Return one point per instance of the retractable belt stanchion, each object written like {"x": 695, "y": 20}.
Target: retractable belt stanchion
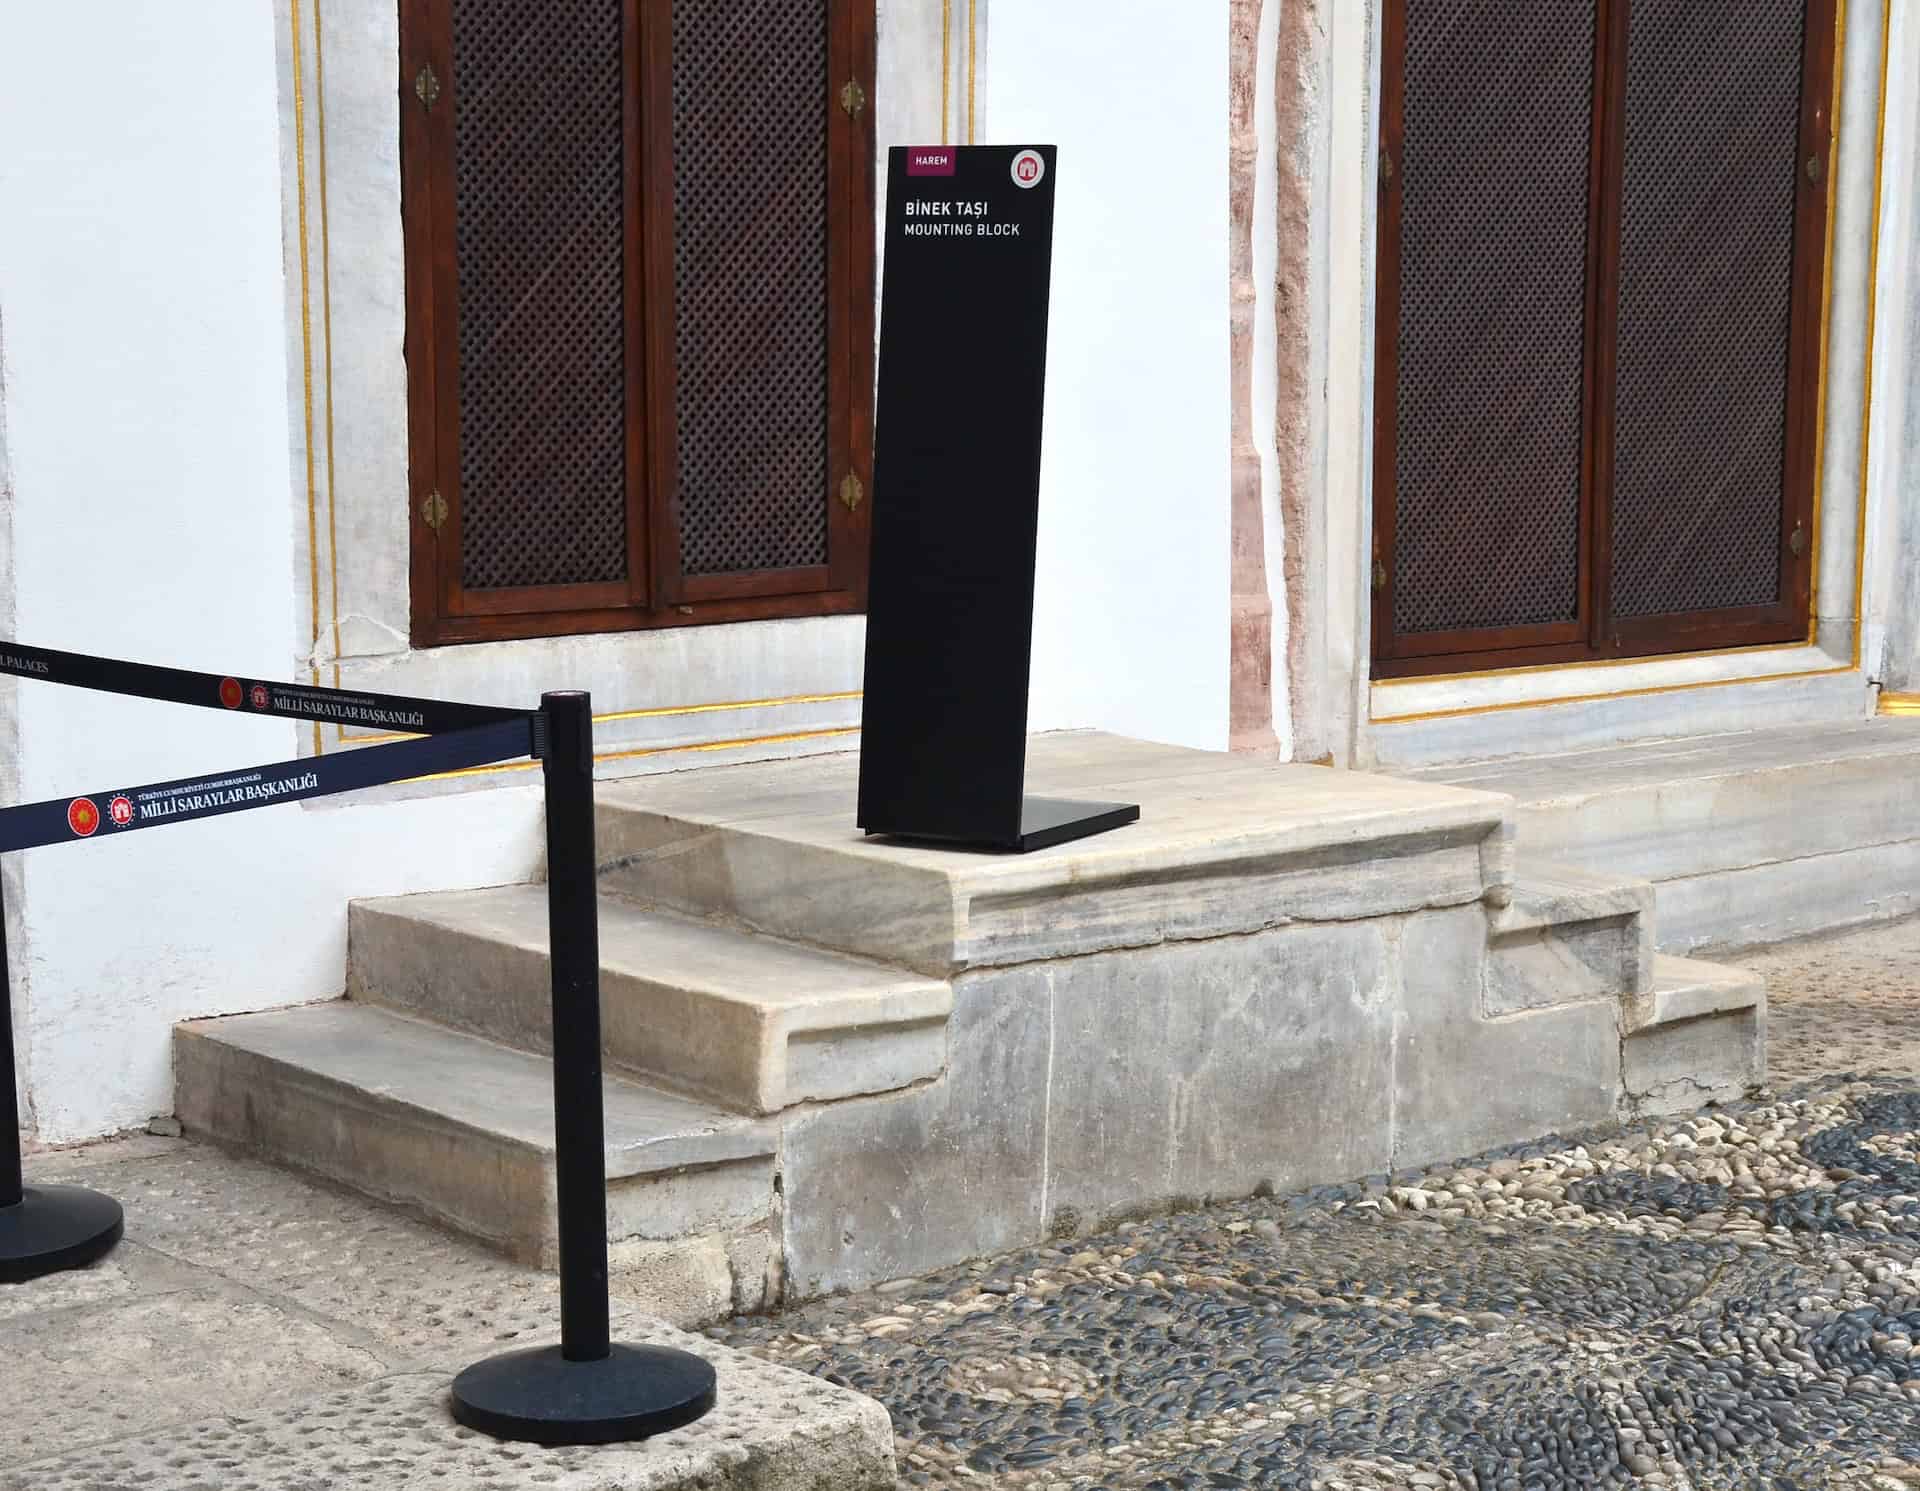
{"x": 586, "y": 1390}
{"x": 42, "y": 1228}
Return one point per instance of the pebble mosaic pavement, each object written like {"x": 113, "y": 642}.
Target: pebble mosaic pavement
{"x": 1729, "y": 1300}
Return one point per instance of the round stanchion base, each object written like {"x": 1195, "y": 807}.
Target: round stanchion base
{"x": 539, "y": 1396}
{"x": 55, "y": 1227}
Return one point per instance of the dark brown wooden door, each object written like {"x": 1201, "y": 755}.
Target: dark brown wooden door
{"x": 1602, "y": 245}
{"x": 639, "y": 310}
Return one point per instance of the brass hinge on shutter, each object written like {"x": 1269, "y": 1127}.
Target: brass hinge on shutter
{"x": 853, "y": 98}
{"x": 1816, "y": 168}
{"x": 426, "y": 87}
{"x": 1379, "y": 575}
{"x": 1798, "y": 543}
{"x": 433, "y": 510}
{"x": 851, "y": 491}
{"x": 1386, "y": 167}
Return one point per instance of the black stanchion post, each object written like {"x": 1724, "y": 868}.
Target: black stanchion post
{"x": 11, "y": 1184}
{"x": 42, "y": 1228}
{"x": 579, "y": 1126}
{"x": 586, "y": 1390}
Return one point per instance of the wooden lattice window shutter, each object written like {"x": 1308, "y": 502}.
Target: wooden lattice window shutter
{"x": 639, "y": 321}
{"x": 1601, "y": 246}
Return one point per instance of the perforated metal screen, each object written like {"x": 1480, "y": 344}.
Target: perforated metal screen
{"x": 750, "y": 100}
{"x": 1494, "y": 183}
{"x": 1706, "y": 271}
{"x": 538, "y": 224}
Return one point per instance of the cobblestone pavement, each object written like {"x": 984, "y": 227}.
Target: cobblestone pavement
{"x": 1730, "y": 1300}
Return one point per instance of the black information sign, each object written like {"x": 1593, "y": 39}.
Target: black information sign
{"x": 956, "y": 482}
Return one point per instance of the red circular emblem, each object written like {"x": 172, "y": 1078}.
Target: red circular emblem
{"x": 259, "y": 696}
{"x": 120, "y": 810}
{"x": 230, "y": 692}
{"x": 82, "y": 816}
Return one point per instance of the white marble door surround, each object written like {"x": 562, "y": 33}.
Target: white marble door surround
{"x": 1865, "y": 623}
{"x": 725, "y": 692}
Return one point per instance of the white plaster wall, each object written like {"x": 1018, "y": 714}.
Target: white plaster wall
{"x": 140, "y": 284}
{"x": 142, "y": 437}
{"x": 1131, "y": 617}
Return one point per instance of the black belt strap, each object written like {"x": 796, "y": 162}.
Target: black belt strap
{"x": 242, "y": 695}
{"x": 109, "y": 814}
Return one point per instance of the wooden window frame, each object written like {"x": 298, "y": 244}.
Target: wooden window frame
{"x": 655, "y": 592}
{"x": 1594, "y": 634}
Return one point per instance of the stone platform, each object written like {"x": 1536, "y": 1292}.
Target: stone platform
{"x": 865, "y": 1059}
{"x": 1747, "y": 838}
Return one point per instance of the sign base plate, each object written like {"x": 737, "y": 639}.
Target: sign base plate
{"x": 1060, "y": 820}
{"x": 1044, "y": 822}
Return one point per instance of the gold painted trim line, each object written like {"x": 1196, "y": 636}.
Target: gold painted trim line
{"x": 1899, "y": 704}
{"x": 1528, "y": 669}
{"x": 306, "y": 320}
{"x": 1838, "y": 90}
{"x": 664, "y": 712}
{"x": 729, "y": 745}
{"x": 306, "y": 346}
{"x": 1873, "y": 313}
{"x": 326, "y": 328}
{"x": 705, "y": 745}
{"x": 972, "y": 46}
{"x": 1663, "y": 688}
{"x": 731, "y": 704}
{"x": 946, "y": 70}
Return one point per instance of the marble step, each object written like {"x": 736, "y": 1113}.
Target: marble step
{"x": 1224, "y": 846}
{"x": 747, "y": 1021}
{"x": 461, "y": 1129}
{"x": 1568, "y": 934}
{"x": 1692, "y": 989}
{"x": 1747, "y": 838}
{"x": 1698, "y": 1035}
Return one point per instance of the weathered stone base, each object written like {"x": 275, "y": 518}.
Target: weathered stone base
{"x": 1282, "y": 976}
{"x": 1086, "y": 1091}
{"x": 1698, "y": 1037}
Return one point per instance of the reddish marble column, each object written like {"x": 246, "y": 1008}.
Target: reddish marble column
{"x": 1250, "y": 677}
{"x": 1297, "y": 90}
